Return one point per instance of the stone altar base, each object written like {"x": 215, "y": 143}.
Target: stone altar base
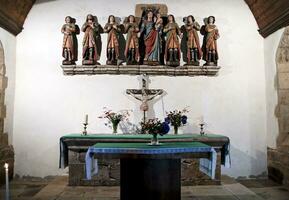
{"x": 109, "y": 172}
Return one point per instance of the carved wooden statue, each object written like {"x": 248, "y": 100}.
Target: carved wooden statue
{"x": 132, "y": 45}
{"x": 172, "y": 49}
{"x": 211, "y": 34}
{"x": 190, "y": 30}
{"x": 159, "y": 25}
{"x": 69, "y": 46}
{"x": 112, "y": 51}
{"x": 91, "y": 41}
{"x": 151, "y": 40}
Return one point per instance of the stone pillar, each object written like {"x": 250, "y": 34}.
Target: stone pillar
{"x": 6, "y": 150}
{"x": 282, "y": 111}
{"x": 278, "y": 162}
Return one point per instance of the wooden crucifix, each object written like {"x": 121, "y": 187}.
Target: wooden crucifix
{"x": 144, "y": 95}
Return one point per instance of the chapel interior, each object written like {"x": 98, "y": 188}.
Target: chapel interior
{"x": 144, "y": 99}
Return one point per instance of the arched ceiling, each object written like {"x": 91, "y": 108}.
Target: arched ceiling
{"x": 13, "y": 14}
{"x": 270, "y": 15}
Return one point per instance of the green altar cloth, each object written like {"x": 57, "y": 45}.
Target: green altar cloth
{"x": 139, "y": 136}
{"x": 63, "y": 161}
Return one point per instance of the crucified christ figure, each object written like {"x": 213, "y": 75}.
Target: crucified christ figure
{"x": 144, "y": 95}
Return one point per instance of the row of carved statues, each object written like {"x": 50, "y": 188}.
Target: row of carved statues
{"x": 154, "y": 40}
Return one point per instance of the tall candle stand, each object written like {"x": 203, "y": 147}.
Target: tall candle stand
{"x": 202, "y": 132}
{"x": 84, "y": 132}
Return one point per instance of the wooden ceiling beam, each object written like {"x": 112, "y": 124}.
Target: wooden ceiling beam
{"x": 13, "y": 14}
{"x": 270, "y": 15}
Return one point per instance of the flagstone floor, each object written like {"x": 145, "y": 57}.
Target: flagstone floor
{"x": 55, "y": 188}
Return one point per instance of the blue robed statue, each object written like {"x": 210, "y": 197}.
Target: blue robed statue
{"x": 150, "y": 28}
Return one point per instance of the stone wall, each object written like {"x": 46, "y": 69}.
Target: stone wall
{"x": 282, "y": 111}
{"x": 278, "y": 159}
{"x": 278, "y": 165}
{"x": 6, "y": 151}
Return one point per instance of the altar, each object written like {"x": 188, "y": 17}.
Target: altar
{"x": 151, "y": 171}
{"x": 73, "y": 148}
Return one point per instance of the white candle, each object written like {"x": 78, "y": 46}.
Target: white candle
{"x": 86, "y": 118}
{"x": 7, "y": 180}
{"x": 202, "y": 120}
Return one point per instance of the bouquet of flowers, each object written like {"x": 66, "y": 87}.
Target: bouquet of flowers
{"x": 155, "y": 126}
{"x": 177, "y": 118}
{"x": 114, "y": 117}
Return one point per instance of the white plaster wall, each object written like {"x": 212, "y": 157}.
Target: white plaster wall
{"x": 9, "y": 44}
{"x": 49, "y": 105}
{"x": 271, "y": 44}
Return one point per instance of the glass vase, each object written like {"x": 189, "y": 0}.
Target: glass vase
{"x": 114, "y": 128}
{"x": 176, "y": 130}
{"x": 155, "y": 140}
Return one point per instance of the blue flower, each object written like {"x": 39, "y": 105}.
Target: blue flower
{"x": 184, "y": 119}
{"x": 167, "y": 120}
{"x": 165, "y": 128}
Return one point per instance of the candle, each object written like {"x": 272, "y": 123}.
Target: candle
{"x": 202, "y": 120}
{"x": 7, "y": 181}
{"x": 86, "y": 118}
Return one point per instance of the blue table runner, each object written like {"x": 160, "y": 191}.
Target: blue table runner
{"x": 207, "y": 166}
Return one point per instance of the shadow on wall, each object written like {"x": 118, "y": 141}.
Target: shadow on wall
{"x": 245, "y": 164}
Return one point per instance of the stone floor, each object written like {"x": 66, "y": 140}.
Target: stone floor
{"x": 55, "y": 188}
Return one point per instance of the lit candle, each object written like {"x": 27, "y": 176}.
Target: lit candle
{"x": 86, "y": 118}
{"x": 7, "y": 181}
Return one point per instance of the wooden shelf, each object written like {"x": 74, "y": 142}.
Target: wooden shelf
{"x": 159, "y": 70}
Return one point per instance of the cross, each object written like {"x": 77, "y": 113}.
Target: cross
{"x": 144, "y": 95}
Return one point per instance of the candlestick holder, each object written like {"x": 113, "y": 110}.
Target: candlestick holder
{"x": 202, "y": 132}
{"x": 84, "y": 132}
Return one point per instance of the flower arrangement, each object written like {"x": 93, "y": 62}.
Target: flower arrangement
{"x": 114, "y": 117}
{"x": 177, "y": 118}
{"x": 155, "y": 127}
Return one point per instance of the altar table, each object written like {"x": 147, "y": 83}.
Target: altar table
{"x": 73, "y": 148}
{"x": 151, "y": 172}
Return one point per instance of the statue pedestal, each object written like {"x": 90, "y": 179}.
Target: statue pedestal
{"x": 159, "y": 70}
